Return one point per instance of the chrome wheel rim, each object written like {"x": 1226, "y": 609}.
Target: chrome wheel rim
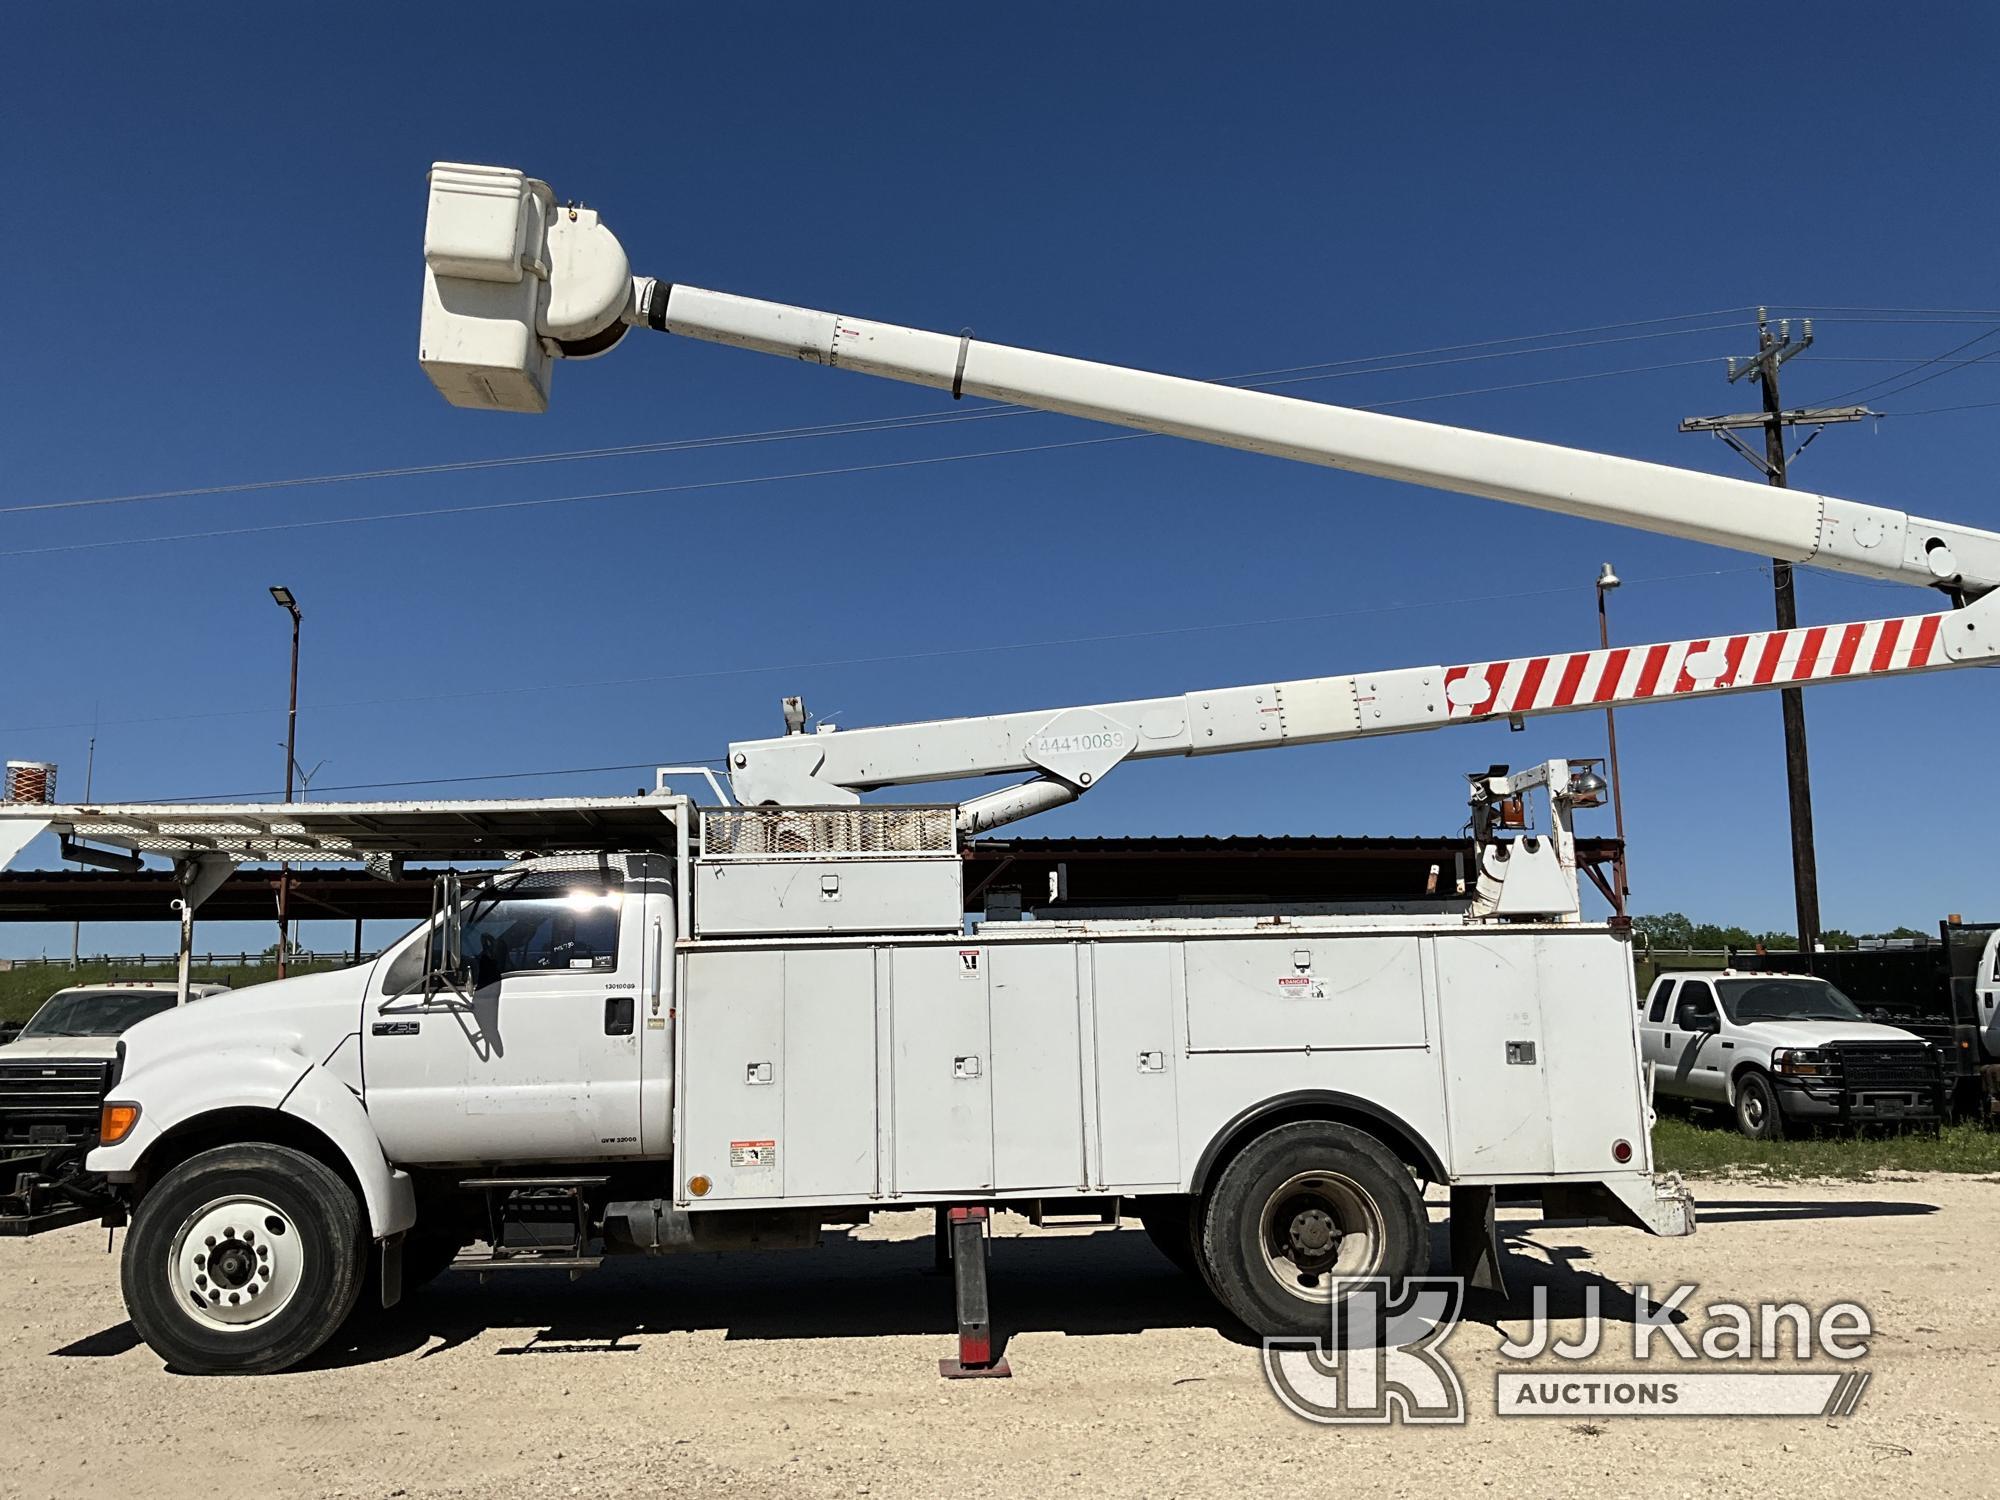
{"x": 1753, "y": 1109}
{"x": 236, "y": 1262}
{"x": 1317, "y": 1230}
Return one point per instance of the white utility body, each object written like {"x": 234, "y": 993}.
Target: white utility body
{"x": 682, "y": 1026}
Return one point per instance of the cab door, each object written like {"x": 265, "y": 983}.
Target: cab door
{"x": 1693, "y": 1044}
{"x": 1655, "y": 1031}
{"x": 537, "y": 1058}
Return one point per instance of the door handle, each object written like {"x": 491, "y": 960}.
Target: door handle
{"x": 618, "y": 1015}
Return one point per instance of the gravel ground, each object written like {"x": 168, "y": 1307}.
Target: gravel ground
{"x": 817, "y": 1372}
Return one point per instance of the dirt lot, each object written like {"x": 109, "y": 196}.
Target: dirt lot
{"x": 817, "y": 1373}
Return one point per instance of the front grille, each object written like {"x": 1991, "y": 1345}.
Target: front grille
{"x": 1886, "y": 1065}
{"x": 52, "y": 1103}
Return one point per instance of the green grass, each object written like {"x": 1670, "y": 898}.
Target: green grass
{"x": 1712, "y": 1150}
{"x": 22, "y": 990}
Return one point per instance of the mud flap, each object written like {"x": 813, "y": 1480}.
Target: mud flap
{"x": 392, "y": 1269}
{"x": 1475, "y": 1239}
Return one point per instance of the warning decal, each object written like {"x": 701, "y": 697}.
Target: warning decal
{"x": 1301, "y": 987}
{"x": 753, "y": 1155}
{"x": 968, "y": 963}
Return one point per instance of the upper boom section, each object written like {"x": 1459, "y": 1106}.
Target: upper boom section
{"x": 511, "y": 283}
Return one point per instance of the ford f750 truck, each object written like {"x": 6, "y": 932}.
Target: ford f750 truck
{"x": 691, "y": 1027}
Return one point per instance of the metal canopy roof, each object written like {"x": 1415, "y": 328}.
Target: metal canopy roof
{"x": 351, "y": 831}
{"x": 1101, "y": 870}
{"x": 249, "y": 895}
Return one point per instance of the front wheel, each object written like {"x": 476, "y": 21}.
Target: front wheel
{"x": 243, "y": 1260}
{"x": 1757, "y": 1113}
{"x": 1301, "y": 1214}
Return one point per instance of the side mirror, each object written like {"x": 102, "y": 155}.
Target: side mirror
{"x": 444, "y": 963}
{"x": 1704, "y": 1020}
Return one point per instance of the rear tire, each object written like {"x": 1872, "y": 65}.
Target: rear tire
{"x": 1757, "y": 1112}
{"x": 1302, "y": 1210}
{"x": 243, "y": 1260}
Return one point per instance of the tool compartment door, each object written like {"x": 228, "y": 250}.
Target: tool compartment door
{"x": 1271, "y": 993}
{"x": 780, "y": 1080}
{"x": 732, "y": 1032}
{"x": 1494, "y": 1053}
{"x": 941, "y": 1094}
{"x": 1037, "y": 1073}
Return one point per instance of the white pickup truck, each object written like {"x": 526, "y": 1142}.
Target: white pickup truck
{"x": 1780, "y": 1049}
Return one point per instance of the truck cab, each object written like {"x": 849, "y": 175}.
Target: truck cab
{"x": 1783, "y": 1050}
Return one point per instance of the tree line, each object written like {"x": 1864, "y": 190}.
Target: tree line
{"x": 1671, "y": 929}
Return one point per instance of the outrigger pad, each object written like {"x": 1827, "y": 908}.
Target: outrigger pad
{"x": 975, "y": 1317}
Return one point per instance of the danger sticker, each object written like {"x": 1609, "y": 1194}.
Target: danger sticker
{"x": 968, "y": 963}
{"x": 753, "y": 1155}
{"x": 1301, "y": 987}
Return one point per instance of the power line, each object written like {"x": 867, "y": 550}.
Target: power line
{"x": 1415, "y": 359}
{"x": 1921, "y": 365}
{"x": 879, "y": 659}
{"x": 385, "y": 786}
{"x": 691, "y": 486}
{"x": 1937, "y": 374}
{"x": 1931, "y": 411}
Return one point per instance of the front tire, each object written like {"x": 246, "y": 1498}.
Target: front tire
{"x": 1757, "y": 1112}
{"x": 1300, "y": 1214}
{"x": 243, "y": 1260}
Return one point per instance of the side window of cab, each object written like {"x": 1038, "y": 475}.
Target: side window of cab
{"x": 1696, "y": 1010}
{"x": 1663, "y": 991}
{"x": 537, "y": 924}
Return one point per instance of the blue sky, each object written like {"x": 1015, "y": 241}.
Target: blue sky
{"x": 215, "y": 280}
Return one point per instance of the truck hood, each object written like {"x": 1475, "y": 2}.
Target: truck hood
{"x": 310, "y": 1015}
{"x": 62, "y": 1048}
{"x": 1821, "y": 1033}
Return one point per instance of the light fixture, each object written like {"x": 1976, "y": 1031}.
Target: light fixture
{"x": 285, "y": 600}
{"x": 1606, "y": 579}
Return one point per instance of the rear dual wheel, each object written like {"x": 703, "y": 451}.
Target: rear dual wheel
{"x": 1299, "y": 1216}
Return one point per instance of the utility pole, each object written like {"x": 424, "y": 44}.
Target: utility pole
{"x": 1607, "y": 580}
{"x": 290, "y": 605}
{"x": 1774, "y": 348}
{"x": 89, "y": 779}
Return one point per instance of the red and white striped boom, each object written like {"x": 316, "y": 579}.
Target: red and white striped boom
{"x": 1071, "y": 749}
{"x": 1626, "y": 675}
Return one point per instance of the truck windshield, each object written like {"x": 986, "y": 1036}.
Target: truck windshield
{"x": 96, "y": 1012}
{"x": 1785, "y": 1000}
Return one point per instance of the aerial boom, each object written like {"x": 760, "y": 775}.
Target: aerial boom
{"x": 1793, "y": 525}
{"x": 512, "y": 282}
{"x": 1069, "y": 750}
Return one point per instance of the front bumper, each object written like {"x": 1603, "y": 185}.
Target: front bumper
{"x": 1812, "y": 1102}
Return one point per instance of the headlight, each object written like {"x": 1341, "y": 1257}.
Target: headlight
{"x": 1805, "y": 1062}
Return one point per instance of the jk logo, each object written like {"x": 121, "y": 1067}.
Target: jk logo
{"x": 1384, "y": 1359}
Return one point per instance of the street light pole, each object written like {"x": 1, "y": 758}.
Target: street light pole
{"x": 290, "y": 605}
{"x": 1608, "y": 580}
